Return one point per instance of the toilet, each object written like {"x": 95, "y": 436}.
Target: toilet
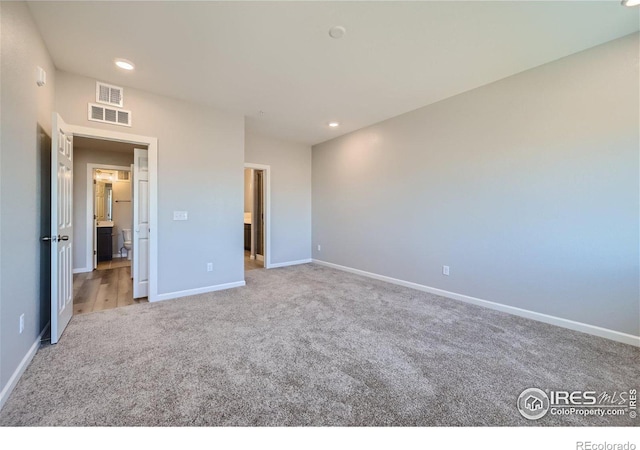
{"x": 126, "y": 235}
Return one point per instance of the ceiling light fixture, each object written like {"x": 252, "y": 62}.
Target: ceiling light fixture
{"x": 333, "y": 124}
{"x": 124, "y": 64}
{"x": 631, "y": 3}
{"x": 105, "y": 176}
{"x": 337, "y": 32}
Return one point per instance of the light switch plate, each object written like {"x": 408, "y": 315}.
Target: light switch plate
{"x": 180, "y": 215}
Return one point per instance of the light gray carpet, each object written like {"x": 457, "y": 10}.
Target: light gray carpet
{"x": 308, "y": 345}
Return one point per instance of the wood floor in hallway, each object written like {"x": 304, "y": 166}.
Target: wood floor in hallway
{"x": 251, "y": 264}
{"x": 103, "y": 289}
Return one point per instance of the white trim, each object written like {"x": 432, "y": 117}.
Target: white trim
{"x": 267, "y": 207}
{"x": 540, "y": 317}
{"x": 90, "y": 206}
{"x": 83, "y": 270}
{"x": 260, "y": 257}
{"x": 291, "y": 263}
{"x": 202, "y": 290}
{"x": 152, "y": 146}
{"x": 13, "y": 381}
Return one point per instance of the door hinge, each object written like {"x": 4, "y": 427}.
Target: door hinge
{"x": 95, "y": 252}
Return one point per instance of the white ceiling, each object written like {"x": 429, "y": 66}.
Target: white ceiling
{"x": 277, "y": 57}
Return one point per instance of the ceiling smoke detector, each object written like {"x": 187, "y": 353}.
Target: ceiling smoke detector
{"x": 337, "y": 32}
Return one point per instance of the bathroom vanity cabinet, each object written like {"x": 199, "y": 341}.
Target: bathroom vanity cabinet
{"x": 105, "y": 243}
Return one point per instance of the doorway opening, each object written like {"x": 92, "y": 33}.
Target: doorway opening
{"x": 106, "y": 280}
{"x": 112, "y": 214}
{"x": 64, "y": 233}
{"x": 256, "y": 217}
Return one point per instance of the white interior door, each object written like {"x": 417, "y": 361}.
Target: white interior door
{"x": 61, "y": 228}
{"x": 140, "y": 259}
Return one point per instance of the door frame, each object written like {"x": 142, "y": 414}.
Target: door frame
{"x": 152, "y": 146}
{"x": 90, "y": 210}
{"x": 267, "y": 209}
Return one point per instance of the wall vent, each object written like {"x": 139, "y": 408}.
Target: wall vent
{"x": 109, "y": 94}
{"x": 123, "y": 175}
{"x": 99, "y": 113}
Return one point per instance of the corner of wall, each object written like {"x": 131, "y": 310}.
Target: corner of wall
{"x": 26, "y": 130}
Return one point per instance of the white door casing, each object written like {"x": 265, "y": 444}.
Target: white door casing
{"x": 266, "y": 180}
{"x": 61, "y": 227}
{"x": 141, "y": 229}
{"x": 152, "y": 144}
{"x": 91, "y": 221}
{"x": 257, "y": 220}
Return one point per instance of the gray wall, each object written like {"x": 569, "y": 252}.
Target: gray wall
{"x": 290, "y": 194}
{"x": 527, "y": 188}
{"x": 82, "y": 157}
{"x": 24, "y": 182}
{"x": 200, "y": 164}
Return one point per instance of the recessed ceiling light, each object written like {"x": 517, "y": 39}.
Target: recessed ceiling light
{"x": 337, "y": 32}
{"x": 124, "y": 64}
{"x": 631, "y": 3}
{"x": 333, "y": 124}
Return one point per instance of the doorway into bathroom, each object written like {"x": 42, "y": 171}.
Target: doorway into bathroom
{"x": 255, "y": 217}
{"x": 113, "y": 215}
{"x": 106, "y": 280}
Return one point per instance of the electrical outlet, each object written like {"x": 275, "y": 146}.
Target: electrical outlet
{"x": 209, "y": 267}
{"x": 319, "y": 248}
{"x": 445, "y": 270}
{"x": 21, "y": 323}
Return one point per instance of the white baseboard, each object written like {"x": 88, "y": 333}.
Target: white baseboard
{"x": 290, "y": 263}
{"x": 83, "y": 270}
{"x": 202, "y": 290}
{"x": 13, "y": 381}
{"x": 540, "y": 317}
{"x": 260, "y": 257}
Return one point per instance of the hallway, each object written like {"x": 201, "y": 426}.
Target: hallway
{"x": 106, "y": 288}
{"x": 251, "y": 264}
